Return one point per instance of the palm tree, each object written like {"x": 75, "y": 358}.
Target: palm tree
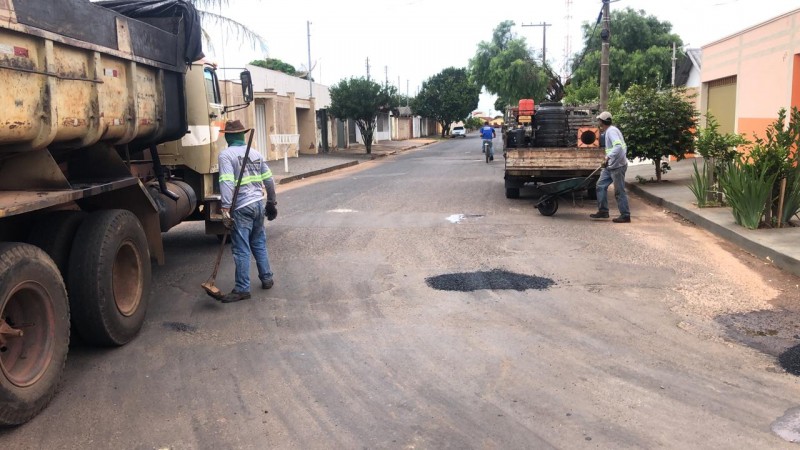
{"x": 211, "y": 19}
{"x": 214, "y": 19}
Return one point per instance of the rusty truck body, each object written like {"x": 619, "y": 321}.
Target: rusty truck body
{"x": 550, "y": 143}
{"x": 109, "y": 136}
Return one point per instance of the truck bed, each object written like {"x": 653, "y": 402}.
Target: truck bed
{"x": 552, "y": 162}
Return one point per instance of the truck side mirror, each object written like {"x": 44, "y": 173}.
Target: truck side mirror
{"x": 247, "y": 86}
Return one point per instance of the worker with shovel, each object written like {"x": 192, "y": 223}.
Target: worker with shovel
{"x": 243, "y": 209}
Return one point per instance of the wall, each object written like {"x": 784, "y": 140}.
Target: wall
{"x": 283, "y": 84}
{"x": 764, "y": 60}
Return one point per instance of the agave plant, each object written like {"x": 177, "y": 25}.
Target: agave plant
{"x": 748, "y": 190}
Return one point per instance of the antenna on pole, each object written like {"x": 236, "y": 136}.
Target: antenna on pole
{"x": 308, "y": 75}
{"x": 567, "y": 41}
{"x": 368, "y": 67}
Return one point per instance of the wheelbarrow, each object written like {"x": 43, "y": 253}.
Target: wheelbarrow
{"x": 548, "y": 202}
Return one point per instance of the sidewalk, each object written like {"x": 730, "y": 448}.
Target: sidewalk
{"x": 305, "y": 166}
{"x": 779, "y": 246}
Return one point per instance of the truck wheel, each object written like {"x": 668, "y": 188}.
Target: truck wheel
{"x": 109, "y": 277}
{"x": 34, "y": 331}
{"x": 548, "y": 207}
{"x": 54, "y": 234}
{"x": 512, "y": 192}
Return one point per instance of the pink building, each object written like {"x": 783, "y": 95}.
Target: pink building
{"x": 747, "y": 77}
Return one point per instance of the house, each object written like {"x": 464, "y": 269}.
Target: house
{"x": 749, "y": 76}
{"x": 688, "y": 73}
{"x": 283, "y": 104}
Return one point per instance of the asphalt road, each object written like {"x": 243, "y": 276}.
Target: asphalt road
{"x": 416, "y": 307}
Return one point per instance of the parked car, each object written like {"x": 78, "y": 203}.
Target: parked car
{"x": 458, "y": 131}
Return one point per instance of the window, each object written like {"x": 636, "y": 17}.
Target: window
{"x": 212, "y": 88}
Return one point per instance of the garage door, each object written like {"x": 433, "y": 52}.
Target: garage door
{"x": 722, "y": 103}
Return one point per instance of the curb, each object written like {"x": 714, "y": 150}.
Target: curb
{"x": 312, "y": 173}
{"x": 780, "y": 260}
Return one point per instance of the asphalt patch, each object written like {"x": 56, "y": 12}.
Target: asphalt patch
{"x": 790, "y": 360}
{"x": 493, "y": 280}
{"x": 180, "y": 327}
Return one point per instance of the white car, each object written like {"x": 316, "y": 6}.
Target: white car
{"x": 458, "y": 131}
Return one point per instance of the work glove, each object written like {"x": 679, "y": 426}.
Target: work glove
{"x": 605, "y": 163}
{"x": 227, "y": 220}
{"x": 271, "y": 211}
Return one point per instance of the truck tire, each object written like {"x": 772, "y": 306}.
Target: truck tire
{"x": 512, "y": 192}
{"x": 32, "y": 300}
{"x": 54, "y": 233}
{"x": 109, "y": 277}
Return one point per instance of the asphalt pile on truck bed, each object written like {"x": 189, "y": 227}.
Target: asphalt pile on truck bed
{"x": 492, "y": 280}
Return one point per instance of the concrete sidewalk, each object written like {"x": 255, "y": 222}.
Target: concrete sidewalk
{"x": 305, "y": 166}
{"x": 779, "y": 246}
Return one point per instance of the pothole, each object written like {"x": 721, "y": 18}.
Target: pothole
{"x": 493, "y": 280}
{"x": 790, "y": 360}
{"x": 180, "y": 327}
{"x": 788, "y": 426}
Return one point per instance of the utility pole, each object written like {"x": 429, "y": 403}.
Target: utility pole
{"x": 544, "y": 26}
{"x": 308, "y": 75}
{"x": 674, "y": 59}
{"x": 386, "y": 74}
{"x": 368, "y": 67}
{"x": 605, "y": 36}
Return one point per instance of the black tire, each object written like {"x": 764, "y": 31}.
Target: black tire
{"x": 548, "y": 207}
{"x": 109, "y": 277}
{"x": 54, "y": 233}
{"x": 512, "y": 192}
{"x": 33, "y": 300}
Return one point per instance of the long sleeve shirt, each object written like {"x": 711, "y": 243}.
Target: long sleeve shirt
{"x": 616, "y": 150}
{"x": 256, "y": 175}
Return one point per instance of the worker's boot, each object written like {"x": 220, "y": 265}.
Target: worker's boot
{"x": 599, "y": 215}
{"x": 235, "y": 296}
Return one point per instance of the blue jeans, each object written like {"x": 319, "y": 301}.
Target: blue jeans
{"x": 248, "y": 235}
{"x": 490, "y": 147}
{"x": 617, "y": 177}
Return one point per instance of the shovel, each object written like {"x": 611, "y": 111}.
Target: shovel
{"x": 209, "y": 286}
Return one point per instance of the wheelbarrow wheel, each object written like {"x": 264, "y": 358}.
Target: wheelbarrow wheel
{"x": 548, "y": 207}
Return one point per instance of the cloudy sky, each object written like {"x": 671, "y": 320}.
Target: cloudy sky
{"x": 408, "y": 41}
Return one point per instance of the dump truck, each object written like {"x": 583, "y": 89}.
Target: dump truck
{"x": 109, "y": 137}
{"x": 549, "y": 142}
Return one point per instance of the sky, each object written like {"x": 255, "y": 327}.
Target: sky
{"x": 408, "y": 41}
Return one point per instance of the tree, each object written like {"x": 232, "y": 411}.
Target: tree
{"x": 641, "y": 53}
{"x": 275, "y": 64}
{"x": 447, "y": 97}
{"x": 473, "y": 123}
{"x": 657, "y": 123}
{"x": 362, "y": 99}
{"x": 507, "y": 68}
{"x": 234, "y": 27}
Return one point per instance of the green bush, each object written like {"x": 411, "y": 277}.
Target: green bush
{"x": 748, "y": 189}
{"x": 700, "y": 185}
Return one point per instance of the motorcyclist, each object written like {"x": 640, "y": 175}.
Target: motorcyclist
{"x": 487, "y": 134}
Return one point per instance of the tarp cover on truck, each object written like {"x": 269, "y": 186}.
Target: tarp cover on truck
{"x": 154, "y": 9}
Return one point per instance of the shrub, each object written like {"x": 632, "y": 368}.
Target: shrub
{"x": 748, "y": 189}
